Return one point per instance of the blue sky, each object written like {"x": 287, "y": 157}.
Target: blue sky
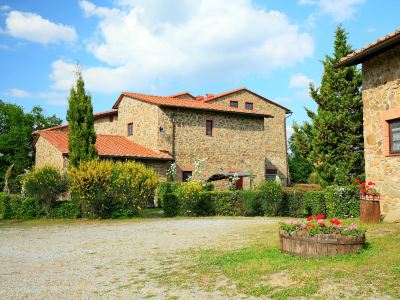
{"x": 164, "y": 47}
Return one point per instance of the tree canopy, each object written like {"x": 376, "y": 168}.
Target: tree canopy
{"x": 82, "y": 136}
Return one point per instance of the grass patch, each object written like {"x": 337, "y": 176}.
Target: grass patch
{"x": 260, "y": 269}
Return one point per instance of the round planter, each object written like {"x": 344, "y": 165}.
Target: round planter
{"x": 298, "y": 243}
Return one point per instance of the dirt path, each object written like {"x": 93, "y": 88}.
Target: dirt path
{"x": 89, "y": 260}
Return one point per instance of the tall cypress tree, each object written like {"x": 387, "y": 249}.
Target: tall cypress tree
{"x": 82, "y": 136}
{"x": 337, "y": 146}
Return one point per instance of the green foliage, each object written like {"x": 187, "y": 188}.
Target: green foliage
{"x": 313, "y": 178}
{"x": 16, "y": 139}
{"x": 250, "y": 203}
{"x": 314, "y": 203}
{"x": 337, "y": 149}
{"x": 82, "y": 137}
{"x": 106, "y": 189}
{"x": 293, "y": 203}
{"x": 222, "y": 203}
{"x": 46, "y": 184}
{"x": 342, "y": 201}
{"x": 299, "y": 166}
{"x": 18, "y": 207}
{"x": 65, "y": 210}
{"x": 165, "y": 188}
{"x": 270, "y": 193}
{"x": 170, "y": 204}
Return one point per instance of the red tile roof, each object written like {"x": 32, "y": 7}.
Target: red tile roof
{"x": 106, "y": 113}
{"x": 106, "y": 145}
{"x": 373, "y": 48}
{"x": 210, "y": 97}
{"x": 182, "y": 94}
{"x": 189, "y": 104}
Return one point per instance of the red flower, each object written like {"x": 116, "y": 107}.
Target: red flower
{"x": 320, "y": 217}
{"x": 363, "y": 191}
{"x": 371, "y": 183}
{"x": 321, "y": 223}
{"x": 335, "y": 222}
{"x": 362, "y": 184}
{"x": 309, "y": 219}
{"x": 358, "y": 180}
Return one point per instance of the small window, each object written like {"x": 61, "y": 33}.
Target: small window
{"x": 270, "y": 174}
{"x": 248, "y": 105}
{"x": 394, "y": 133}
{"x": 209, "y": 127}
{"x": 130, "y": 129}
{"x": 234, "y": 104}
{"x": 186, "y": 175}
{"x": 111, "y": 119}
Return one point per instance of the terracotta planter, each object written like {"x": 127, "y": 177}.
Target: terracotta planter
{"x": 298, "y": 243}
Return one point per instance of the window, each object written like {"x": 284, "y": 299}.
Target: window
{"x": 130, "y": 129}
{"x": 186, "y": 175}
{"x": 234, "y": 104}
{"x": 209, "y": 127}
{"x": 111, "y": 119}
{"x": 270, "y": 174}
{"x": 248, "y": 105}
{"x": 394, "y": 134}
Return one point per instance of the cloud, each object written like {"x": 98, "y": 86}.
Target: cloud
{"x": 52, "y": 97}
{"x": 34, "y": 28}
{"x": 299, "y": 81}
{"x": 4, "y": 7}
{"x": 153, "y": 43}
{"x": 339, "y": 10}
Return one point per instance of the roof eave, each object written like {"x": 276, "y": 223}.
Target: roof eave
{"x": 368, "y": 53}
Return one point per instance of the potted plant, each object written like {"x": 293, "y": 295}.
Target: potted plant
{"x": 370, "y": 211}
{"x": 318, "y": 237}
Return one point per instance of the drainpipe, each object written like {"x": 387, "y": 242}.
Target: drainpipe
{"x": 287, "y": 154}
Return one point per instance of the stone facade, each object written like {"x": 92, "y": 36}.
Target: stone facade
{"x": 381, "y": 99}
{"x": 47, "y": 154}
{"x": 107, "y": 125}
{"x": 275, "y": 147}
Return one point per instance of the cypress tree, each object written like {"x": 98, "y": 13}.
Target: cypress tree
{"x": 82, "y": 136}
{"x": 337, "y": 145}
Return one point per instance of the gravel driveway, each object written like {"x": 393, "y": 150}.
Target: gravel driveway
{"x": 110, "y": 259}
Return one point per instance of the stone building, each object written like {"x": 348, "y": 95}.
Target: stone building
{"x": 236, "y": 132}
{"x": 381, "y": 100}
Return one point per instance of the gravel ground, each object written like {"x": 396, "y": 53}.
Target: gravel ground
{"x": 113, "y": 260}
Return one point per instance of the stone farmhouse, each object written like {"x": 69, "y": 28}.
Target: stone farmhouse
{"x": 381, "y": 100}
{"x": 236, "y": 132}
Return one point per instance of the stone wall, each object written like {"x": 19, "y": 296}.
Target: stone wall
{"x": 107, "y": 125}
{"x": 381, "y": 99}
{"x": 47, "y": 154}
{"x": 144, "y": 117}
{"x": 274, "y": 129}
{"x": 237, "y": 144}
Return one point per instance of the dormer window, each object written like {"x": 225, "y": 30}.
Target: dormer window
{"x": 234, "y": 104}
{"x": 130, "y": 129}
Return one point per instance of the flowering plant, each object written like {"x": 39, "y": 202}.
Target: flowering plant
{"x": 368, "y": 190}
{"x": 319, "y": 225}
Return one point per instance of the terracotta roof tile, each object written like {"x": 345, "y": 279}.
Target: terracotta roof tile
{"x": 173, "y": 102}
{"x": 380, "y": 44}
{"x": 106, "y": 145}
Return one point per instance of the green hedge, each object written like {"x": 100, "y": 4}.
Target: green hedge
{"x": 19, "y": 207}
{"x": 342, "y": 201}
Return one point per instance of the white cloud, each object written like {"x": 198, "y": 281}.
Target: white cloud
{"x": 18, "y": 93}
{"x": 299, "y": 81}
{"x": 34, "y": 28}
{"x": 146, "y": 43}
{"x": 52, "y": 97}
{"x": 4, "y": 7}
{"x": 339, "y": 10}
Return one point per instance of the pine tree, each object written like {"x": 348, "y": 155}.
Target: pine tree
{"x": 82, "y": 136}
{"x": 337, "y": 149}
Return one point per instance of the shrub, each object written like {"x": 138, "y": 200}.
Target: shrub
{"x": 292, "y": 203}
{"x": 342, "y": 201}
{"x": 5, "y": 208}
{"x": 106, "y": 189}
{"x": 250, "y": 203}
{"x": 221, "y": 203}
{"x": 91, "y": 187}
{"x": 270, "y": 194}
{"x": 46, "y": 184}
{"x": 189, "y": 196}
{"x": 133, "y": 186}
{"x": 165, "y": 188}
{"x": 314, "y": 203}
{"x": 170, "y": 205}
{"x": 65, "y": 210}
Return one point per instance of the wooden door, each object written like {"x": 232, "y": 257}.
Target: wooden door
{"x": 239, "y": 184}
